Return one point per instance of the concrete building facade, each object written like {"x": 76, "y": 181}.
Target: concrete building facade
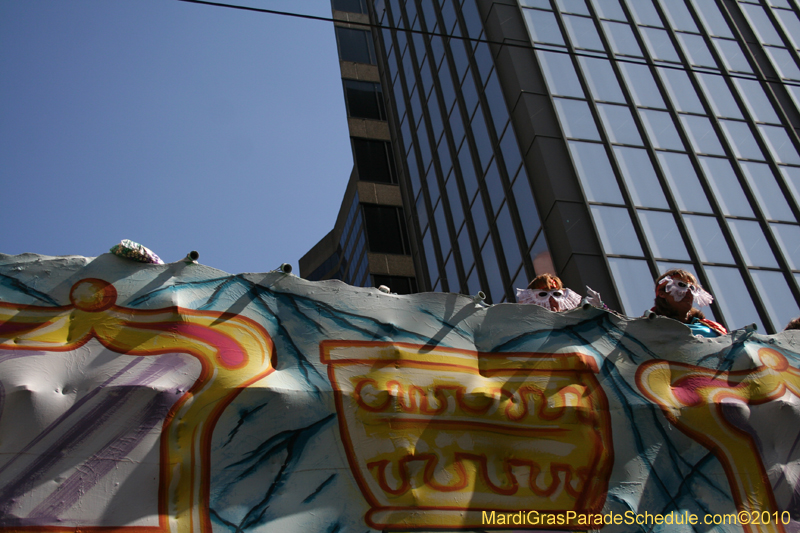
{"x": 603, "y": 140}
{"x": 369, "y": 244}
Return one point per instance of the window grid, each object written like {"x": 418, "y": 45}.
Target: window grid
{"x": 628, "y": 202}
{"x": 778, "y": 28}
{"x": 721, "y": 218}
{"x": 475, "y": 84}
{"x": 762, "y": 76}
{"x": 768, "y": 89}
{"x": 675, "y": 115}
{"x": 352, "y": 216}
{"x": 417, "y": 161}
{"x": 347, "y": 269}
{"x": 750, "y": 198}
{"x": 409, "y": 158}
{"x": 471, "y": 79}
{"x": 589, "y": 96}
{"x": 499, "y": 163}
{"x": 779, "y": 109}
{"x": 759, "y": 215}
{"x": 352, "y": 230}
{"x": 431, "y": 177}
{"x": 355, "y": 269}
{"x": 439, "y": 172}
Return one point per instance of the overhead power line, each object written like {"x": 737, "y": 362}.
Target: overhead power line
{"x": 528, "y": 46}
{"x": 269, "y": 11}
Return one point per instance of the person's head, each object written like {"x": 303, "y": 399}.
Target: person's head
{"x": 546, "y": 281}
{"x": 794, "y": 324}
{"x": 549, "y": 288}
{"x": 676, "y": 292}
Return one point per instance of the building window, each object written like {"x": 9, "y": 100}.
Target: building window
{"x": 325, "y": 270}
{"x": 543, "y": 27}
{"x": 616, "y": 230}
{"x": 397, "y": 284}
{"x": 732, "y": 297}
{"x": 351, "y": 6}
{"x": 634, "y": 284}
{"x": 364, "y": 100}
{"x": 776, "y": 295}
{"x": 386, "y": 231}
{"x": 374, "y": 161}
{"x": 355, "y": 45}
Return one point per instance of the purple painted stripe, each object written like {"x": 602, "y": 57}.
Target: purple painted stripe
{"x": 78, "y": 433}
{"x": 17, "y": 354}
{"x": 69, "y": 412}
{"x": 101, "y": 463}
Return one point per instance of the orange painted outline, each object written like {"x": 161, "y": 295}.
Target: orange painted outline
{"x": 603, "y": 456}
{"x": 751, "y": 388}
{"x": 240, "y": 330}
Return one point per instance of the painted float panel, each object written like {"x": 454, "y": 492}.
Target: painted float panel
{"x": 137, "y": 397}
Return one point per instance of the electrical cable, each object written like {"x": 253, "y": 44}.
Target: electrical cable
{"x": 528, "y": 46}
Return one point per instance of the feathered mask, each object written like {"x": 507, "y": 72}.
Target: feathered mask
{"x": 678, "y": 288}
{"x": 566, "y": 298}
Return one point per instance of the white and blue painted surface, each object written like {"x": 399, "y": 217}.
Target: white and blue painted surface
{"x": 82, "y": 429}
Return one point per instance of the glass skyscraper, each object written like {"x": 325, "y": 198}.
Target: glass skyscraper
{"x": 602, "y": 140}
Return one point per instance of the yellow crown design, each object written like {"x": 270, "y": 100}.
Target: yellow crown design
{"x": 436, "y": 436}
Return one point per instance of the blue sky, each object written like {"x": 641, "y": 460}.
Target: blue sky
{"x": 179, "y": 126}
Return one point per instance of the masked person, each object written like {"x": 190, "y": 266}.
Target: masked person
{"x": 676, "y": 292}
{"x": 547, "y": 291}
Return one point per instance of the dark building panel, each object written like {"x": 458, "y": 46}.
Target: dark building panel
{"x": 351, "y": 6}
{"x": 355, "y": 45}
{"x": 374, "y": 160}
{"x": 364, "y": 100}
{"x": 386, "y": 229}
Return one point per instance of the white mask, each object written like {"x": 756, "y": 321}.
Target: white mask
{"x": 566, "y": 298}
{"x": 678, "y": 289}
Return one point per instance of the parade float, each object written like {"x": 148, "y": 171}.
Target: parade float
{"x": 148, "y": 398}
